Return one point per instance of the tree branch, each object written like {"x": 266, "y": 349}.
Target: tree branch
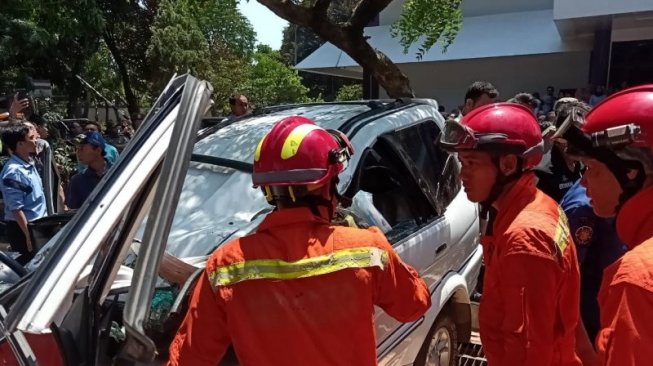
{"x": 365, "y": 11}
{"x": 309, "y": 18}
{"x": 321, "y": 7}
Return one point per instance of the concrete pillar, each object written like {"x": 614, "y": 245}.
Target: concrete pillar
{"x": 600, "y": 56}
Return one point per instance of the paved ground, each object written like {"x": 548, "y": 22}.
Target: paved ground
{"x": 471, "y": 354}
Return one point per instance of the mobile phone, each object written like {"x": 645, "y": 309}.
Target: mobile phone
{"x": 22, "y": 94}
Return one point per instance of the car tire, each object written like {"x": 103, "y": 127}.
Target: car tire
{"x": 440, "y": 348}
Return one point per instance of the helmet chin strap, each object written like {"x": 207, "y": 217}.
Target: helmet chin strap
{"x": 619, "y": 167}
{"x": 487, "y": 210}
{"x": 315, "y": 201}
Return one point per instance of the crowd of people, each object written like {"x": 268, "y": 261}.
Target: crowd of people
{"x": 30, "y": 162}
{"x": 25, "y": 138}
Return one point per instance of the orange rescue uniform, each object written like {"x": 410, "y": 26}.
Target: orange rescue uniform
{"x": 626, "y": 295}
{"x": 530, "y": 306}
{"x": 299, "y": 291}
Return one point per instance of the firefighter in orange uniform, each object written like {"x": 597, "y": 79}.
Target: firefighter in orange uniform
{"x": 615, "y": 143}
{"x": 299, "y": 290}
{"x": 530, "y": 305}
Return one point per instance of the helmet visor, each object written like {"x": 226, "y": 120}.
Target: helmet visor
{"x": 457, "y": 136}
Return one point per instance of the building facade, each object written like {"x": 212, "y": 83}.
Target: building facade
{"x": 519, "y": 46}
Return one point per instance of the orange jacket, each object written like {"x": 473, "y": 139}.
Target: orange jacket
{"x": 299, "y": 291}
{"x": 626, "y": 295}
{"x": 530, "y": 306}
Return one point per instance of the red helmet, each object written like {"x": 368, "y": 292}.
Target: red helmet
{"x": 624, "y": 118}
{"x": 500, "y": 127}
{"x": 298, "y": 152}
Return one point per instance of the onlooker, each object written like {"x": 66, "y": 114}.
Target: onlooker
{"x": 583, "y": 94}
{"x": 239, "y": 105}
{"x": 115, "y": 136}
{"x": 598, "y": 95}
{"x": 76, "y": 129}
{"x": 41, "y": 126}
{"x": 90, "y": 152}
{"x": 479, "y": 94}
{"x": 47, "y": 168}
{"x": 538, "y": 103}
{"x": 42, "y": 147}
{"x": 548, "y": 100}
{"x": 556, "y": 172}
{"x": 524, "y": 99}
{"x": 111, "y": 153}
{"x": 21, "y": 188}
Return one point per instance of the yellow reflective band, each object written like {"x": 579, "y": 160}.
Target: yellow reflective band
{"x": 274, "y": 269}
{"x": 295, "y": 138}
{"x": 257, "y": 152}
{"x": 562, "y": 235}
{"x": 268, "y": 194}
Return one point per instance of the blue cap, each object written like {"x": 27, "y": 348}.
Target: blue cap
{"x": 92, "y": 138}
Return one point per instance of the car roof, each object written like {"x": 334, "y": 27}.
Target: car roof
{"x": 235, "y": 141}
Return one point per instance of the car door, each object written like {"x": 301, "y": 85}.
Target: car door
{"x": 400, "y": 172}
{"x": 53, "y": 308}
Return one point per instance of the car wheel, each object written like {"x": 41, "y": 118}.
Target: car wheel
{"x": 441, "y": 346}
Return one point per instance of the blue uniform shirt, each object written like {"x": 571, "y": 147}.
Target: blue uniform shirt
{"x": 22, "y": 189}
{"x": 597, "y": 245}
{"x": 81, "y": 185}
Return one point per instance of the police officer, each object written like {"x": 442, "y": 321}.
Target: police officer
{"x": 615, "y": 141}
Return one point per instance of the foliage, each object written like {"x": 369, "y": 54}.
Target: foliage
{"x": 101, "y": 72}
{"x": 224, "y": 26}
{"x": 178, "y": 44}
{"x": 272, "y": 82}
{"x": 430, "y": 21}
{"x": 50, "y": 40}
{"x": 126, "y": 34}
{"x": 350, "y": 92}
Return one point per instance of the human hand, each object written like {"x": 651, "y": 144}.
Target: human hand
{"x": 28, "y": 243}
{"x": 18, "y": 106}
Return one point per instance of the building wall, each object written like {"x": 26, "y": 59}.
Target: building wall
{"x": 447, "y": 81}
{"x": 566, "y": 9}
{"x": 632, "y": 27}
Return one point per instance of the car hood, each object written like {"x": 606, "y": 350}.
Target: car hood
{"x": 216, "y": 205}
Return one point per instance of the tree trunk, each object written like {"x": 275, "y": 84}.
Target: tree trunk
{"x": 132, "y": 101}
{"x": 74, "y": 92}
{"x": 386, "y": 73}
{"x": 349, "y": 38}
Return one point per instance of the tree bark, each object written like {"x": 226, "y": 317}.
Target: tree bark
{"x": 349, "y": 38}
{"x": 132, "y": 101}
{"x": 74, "y": 92}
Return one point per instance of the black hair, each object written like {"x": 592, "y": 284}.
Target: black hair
{"x": 233, "y": 98}
{"x": 525, "y": 98}
{"x": 37, "y": 120}
{"x": 99, "y": 128}
{"x": 12, "y": 135}
{"x": 480, "y": 88}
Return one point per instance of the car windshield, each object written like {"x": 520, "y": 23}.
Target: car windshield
{"x": 218, "y": 202}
